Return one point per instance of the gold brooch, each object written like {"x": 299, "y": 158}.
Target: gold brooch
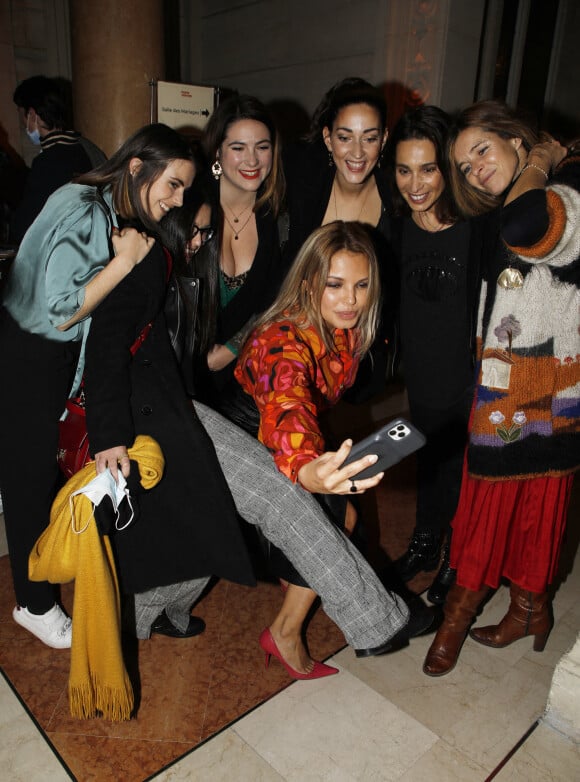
{"x": 510, "y": 279}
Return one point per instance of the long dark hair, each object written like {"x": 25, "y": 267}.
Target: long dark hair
{"x": 156, "y": 146}
{"x": 177, "y": 229}
{"x": 424, "y": 123}
{"x": 348, "y": 92}
{"x": 240, "y": 107}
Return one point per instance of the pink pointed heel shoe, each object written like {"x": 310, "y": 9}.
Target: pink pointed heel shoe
{"x": 268, "y": 644}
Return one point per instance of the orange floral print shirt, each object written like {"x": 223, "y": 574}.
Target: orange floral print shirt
{"x": 293, "y": 378}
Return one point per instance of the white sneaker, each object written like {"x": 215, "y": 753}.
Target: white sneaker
{"x": 54, "y": 628}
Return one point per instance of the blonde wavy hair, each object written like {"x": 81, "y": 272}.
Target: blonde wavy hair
{"x": 300, "y": 298}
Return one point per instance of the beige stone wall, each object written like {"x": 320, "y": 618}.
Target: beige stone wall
{"x": 9, "y": 129}
{"x": 284, "y": 49}
{"x": 296, "y": 49}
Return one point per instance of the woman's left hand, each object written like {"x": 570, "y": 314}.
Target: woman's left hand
{"x": 324, "y": 475}
{"x": 547, "y": 155}
{"x": 111, "y": 458}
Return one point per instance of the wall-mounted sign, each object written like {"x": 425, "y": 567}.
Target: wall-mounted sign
{"x": 184, "y": 106}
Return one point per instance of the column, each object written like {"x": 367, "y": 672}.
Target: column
{"x": 117, "y": 49}
{"x": 431, "y": 52}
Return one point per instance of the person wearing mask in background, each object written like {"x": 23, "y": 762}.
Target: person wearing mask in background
{"x": 64, "y": 153}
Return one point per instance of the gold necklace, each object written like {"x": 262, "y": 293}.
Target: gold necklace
{"x": 334, "y": 188}
{"x": 234, "y": 215}
{"x": 239, "y": 231}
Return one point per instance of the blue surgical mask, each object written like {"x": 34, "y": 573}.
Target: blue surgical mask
{"x": 33, "y": 135}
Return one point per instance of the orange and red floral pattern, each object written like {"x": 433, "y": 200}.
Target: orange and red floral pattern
{"x": 293, "y": 378}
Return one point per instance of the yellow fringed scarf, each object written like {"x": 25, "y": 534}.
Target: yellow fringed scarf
{"x": 98, "y": 681}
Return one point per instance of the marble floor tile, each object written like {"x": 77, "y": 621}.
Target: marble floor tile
{"x": 545, "y": 756}
{"x": 221, "y": 759}
{"x": 494, "y": 724}
{"x": 444, "y": 763}
{"x": 437, "y": 702}
{"x": 335, "y": 729}
{"x": 25, "y": 756}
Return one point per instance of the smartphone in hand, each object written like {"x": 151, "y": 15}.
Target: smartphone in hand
{"x": 391, "y": 444}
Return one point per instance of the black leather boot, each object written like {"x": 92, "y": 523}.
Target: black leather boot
{"x": 423, "y": 554}
{"x": 443, "y": 581}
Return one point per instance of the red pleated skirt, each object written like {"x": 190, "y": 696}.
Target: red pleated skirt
{"x": 509, "y": 529}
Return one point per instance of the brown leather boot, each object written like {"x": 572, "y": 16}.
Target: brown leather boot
{"x": 460, "y": 608}
{"x": 529, "y": 614}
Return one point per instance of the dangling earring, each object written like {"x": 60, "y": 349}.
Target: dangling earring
{"x": 216, "y": 169}
{"x": 330, "y": 160}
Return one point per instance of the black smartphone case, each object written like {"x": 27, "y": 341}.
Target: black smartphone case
{"x": 391, "y": 444}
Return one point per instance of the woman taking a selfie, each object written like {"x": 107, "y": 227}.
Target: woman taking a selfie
{"x": 301, "y": 357}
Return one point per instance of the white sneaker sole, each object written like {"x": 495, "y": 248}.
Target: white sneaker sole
{"x": 47, "y": 634}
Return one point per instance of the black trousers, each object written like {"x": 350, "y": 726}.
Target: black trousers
{"x": 36, "y": 375}
{"x": 440, "y": 461}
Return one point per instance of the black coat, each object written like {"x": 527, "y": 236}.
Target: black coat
{"x": 309, "y": 179}
{"x": 53, "y": 167}
{"x": 187, "y": 526}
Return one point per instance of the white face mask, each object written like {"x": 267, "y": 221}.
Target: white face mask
{"x": 104, "y": 485}
{"x": 33, "y": 135}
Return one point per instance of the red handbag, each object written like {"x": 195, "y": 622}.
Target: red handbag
{"x": 73, "y": 441}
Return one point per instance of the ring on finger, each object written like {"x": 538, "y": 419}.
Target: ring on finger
{"x": 353, "y": 487}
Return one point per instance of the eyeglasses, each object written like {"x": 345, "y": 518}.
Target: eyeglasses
{"x": 206, "y": 232}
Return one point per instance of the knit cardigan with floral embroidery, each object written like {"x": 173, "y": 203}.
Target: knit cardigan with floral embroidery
{"x": 526, "y": 416}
